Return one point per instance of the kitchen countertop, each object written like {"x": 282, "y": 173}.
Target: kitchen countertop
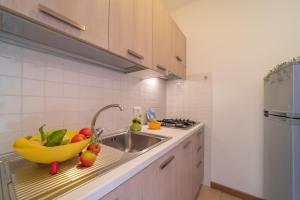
{"x": 105, "y": 183}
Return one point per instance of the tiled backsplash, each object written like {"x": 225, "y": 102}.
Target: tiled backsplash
{"x": 37, "y": 88}
{"x": 192, "y": 99}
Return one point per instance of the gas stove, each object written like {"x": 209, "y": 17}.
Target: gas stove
{"x": 178, "y": 123}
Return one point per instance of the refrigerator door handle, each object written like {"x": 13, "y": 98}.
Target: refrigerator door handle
{"x": 266, "y": 113}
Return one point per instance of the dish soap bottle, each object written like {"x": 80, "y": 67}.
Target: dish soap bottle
{"x": 136, "y": 121}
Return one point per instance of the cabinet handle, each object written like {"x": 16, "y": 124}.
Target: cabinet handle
{"x": 166, "y": 162}
{"x": 187, "y": 144}
{"x": 61, "y": 17}
{"x": 199, "y": 133}
{"x": 135, "y": 54}
{"x": 198, "y": 164}
{"x": 161, "y": 67}
{"x": 199, "y": 148}
{"x": 178, "y": 58}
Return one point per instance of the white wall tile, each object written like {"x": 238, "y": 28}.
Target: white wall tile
{"x": 32, "y": 122}
{"x": 71, "y": 91}
{"x": 71, "y": 77}
{"x": 65, "y": 93}
{"x": 54, "y": 120}
{"x": 10, "y": 85}
{"x": 53, "y": 104}
{"x": 10, "y": 123}
{"x": 7, "y": 140}
{"x": 53, "y": 89}
{"x": 33, "y": 105}
{"x": 10, "y": 67}
{"x": 54, "y": 74}
{"x": 10, "y": 104}
{"x": 32, "y": 56}
{"x": 33, "y": 71}
{"x": 33, "y": 87}
{"x": 87, "y": 80}
{"x": 70, "y": 118}
{"x": 70, "y": 104}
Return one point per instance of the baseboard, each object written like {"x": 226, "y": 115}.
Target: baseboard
{"x": 233, "y": 192}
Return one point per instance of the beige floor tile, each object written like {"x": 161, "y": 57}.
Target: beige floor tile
{"x": 225, "y": 196}
{"x": 207, "y": 193}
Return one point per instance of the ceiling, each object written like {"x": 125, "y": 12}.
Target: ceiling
{"x": 173, "y": 5}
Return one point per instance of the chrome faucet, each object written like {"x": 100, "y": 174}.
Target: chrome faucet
{"x": 99, "y": 131}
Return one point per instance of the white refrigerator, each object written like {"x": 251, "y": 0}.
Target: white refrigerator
{"x": 282, "y": 134}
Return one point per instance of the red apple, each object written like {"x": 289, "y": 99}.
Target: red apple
{"x": 94, "y": 147}
{"x": 87, "y": 158}
{"x": 78, "y": 138}
{"x": 86, "y": 132}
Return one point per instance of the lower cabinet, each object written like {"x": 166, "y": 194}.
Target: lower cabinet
{"x": 177, "y": 175}
{"x": 184, "y": 173}
{"x": 198, "y": 161}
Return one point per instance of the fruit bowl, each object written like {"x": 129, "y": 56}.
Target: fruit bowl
{"x": 154, "y": 125}
{"x": 46, "y": 155}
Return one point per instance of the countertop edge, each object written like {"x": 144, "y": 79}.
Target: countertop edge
{"x": 102, "y": 185}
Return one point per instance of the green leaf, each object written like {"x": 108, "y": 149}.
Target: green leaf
{"x": 56, "y": 138}
{"x": 41, "y": 130}
{"x": 49, "y": 133}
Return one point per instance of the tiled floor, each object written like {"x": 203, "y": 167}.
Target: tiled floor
{"x": 208, "y": 193}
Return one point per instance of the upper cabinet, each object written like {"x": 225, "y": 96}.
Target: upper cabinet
{"x": 86, "y": 20}
{"x": 130, "y": 30}
{"x": 141, "y": 31}
{"x": 161, "y": 37}
{"x": 178, "y": 51}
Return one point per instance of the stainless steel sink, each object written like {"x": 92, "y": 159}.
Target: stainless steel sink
{"x": 133, "y": 142}
{"x": 24, "y": 180}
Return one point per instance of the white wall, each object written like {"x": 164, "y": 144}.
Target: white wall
{"x": 238, "y": 42}
{"x": 37, "y": 89}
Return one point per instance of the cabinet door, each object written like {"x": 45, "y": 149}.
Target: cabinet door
{"x": 161, "y": 36}
{"x": 130, "y": 190}
{"x": 184, "y": 174}
{"x": 95, "y": 17}
{"x": 87, "y": 20}
{"x": 150, "y": 182}
{"x": 130, "y": 30}
{"x": 178, "y": 51}
{"x": 166, "y": 176}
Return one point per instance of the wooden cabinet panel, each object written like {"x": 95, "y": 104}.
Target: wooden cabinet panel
{"x": 177, "y": 175}
{"x": 167, "y": 176}
{"x": 68, "y": 16}
{"x": 178, "y": 51}
{"x": 94, "y": 16}
{"x": 184, "y": 165}
{"x": 130, "y": 30}
{"x": 198, "y": 161}
{"x": 130, "y": 190}
{"x": 150, "y": 183}
{"x": 161, "y": 36}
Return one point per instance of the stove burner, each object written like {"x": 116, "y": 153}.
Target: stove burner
{"x": 178, "y": 123}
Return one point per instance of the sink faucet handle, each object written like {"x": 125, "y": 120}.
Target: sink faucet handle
{"x": 98, "y": 132}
